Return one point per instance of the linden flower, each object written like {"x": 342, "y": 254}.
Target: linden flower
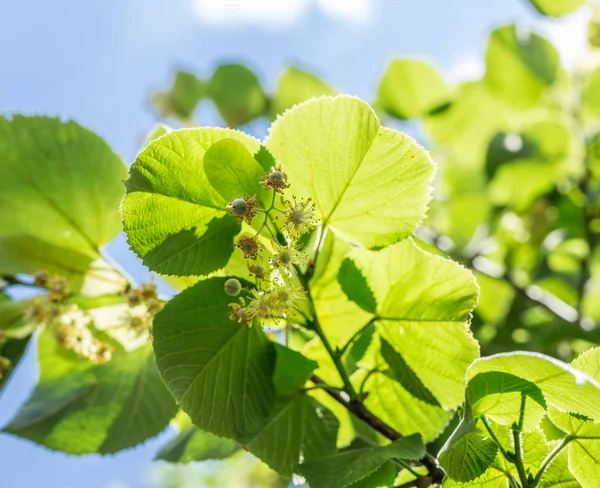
{"x": 287, "y": 257}
{"x": 75, "y": 317}
{"x": 154, "y": 305}
{"x": 299, "y": 217}
{"x": 239, "y": 312}
{"x": 58, "y": 289}
{"x": 102, "y": 353}
{"x": 243, "y": 207}
{"x": 40, "y": 279}
{"x": 285, "y": 297}
{"x": 260, "y": 306}
{"x": 134, "y": 297}
{"x": 275, "y": 179}
{"x": 257, "y": 270}
{"x": 249, "y": 246}
{"x": 41, "y": 311}
{"x": 141, "y": 325}
{"x": 148, "y": 291}
{"x": 78, "y": 339}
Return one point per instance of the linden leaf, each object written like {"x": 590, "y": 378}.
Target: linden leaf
{"x": 175, "y": 220}
{"x": 370, "y": 184}
{"x": 80, "y": 407}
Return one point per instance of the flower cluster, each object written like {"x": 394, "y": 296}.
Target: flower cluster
{"x": 57, "y": 286}
{"x": 72, "y": 326}
{"x": 276, "y": 293}
{"x": 74, "y": 333}
{"x": 144, "y": 304}
{"x": 5, "y": 364}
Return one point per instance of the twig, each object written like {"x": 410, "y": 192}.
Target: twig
{"x": 356, "y": 407}
{"x": 13, "y": 280}
{"x": 534, "y": 294}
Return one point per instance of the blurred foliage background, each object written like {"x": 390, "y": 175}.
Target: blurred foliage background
{"x": 516, "y": 197}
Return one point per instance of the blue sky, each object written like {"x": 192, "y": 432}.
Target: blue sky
{"x": 97, "y": 62}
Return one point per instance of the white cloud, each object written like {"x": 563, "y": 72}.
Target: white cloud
{"x": 275, "y": 13}
{"x": 353, "y": 10}
{"x": 470, "y": 67}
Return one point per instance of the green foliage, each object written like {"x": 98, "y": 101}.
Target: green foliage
{"x": 411, "y": 88}
{"x": 347, "y": 467}
{"x": 237, "y": 94}
{"x": 181, "y": 101}
{"x": 348, "y": 343}
{"x": 556, "y": 8}
{"x": 515, "y": 391}
{"x": 198, "y": 349}
{"x": 336, "y": 152}
{"x": 79, "y": 407}
{"x": 65, "y": 202}
{"x": 174, "y": 219}
{"x": 296, "y": 86}
{"x": 192, "y": 444}
{"x": 519, "y": 65}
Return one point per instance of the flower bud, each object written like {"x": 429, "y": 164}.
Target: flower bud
{"x": 233, "y": 287}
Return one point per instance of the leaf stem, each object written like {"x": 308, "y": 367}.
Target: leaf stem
{"x": 496, "y": 440}
{"x": 355, "y": 336}
{"x": 516, "y": 432}
{"x": 316, "y": 326}
{"x": 550, "y": 457}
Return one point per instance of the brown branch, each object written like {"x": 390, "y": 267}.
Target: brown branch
{"x": 532, "y": 293}
{"x": 358, "y": 409}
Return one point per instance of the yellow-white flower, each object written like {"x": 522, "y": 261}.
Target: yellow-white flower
{"x": 299, "y": 217}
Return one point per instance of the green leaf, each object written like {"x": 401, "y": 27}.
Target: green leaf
{"x": 563, "y": 387}
{"x": 298, "y": 426}
{"x": 346, "y": 467}
{"x": 231, "y": 170}
{"x": 187, "y": 91}
{"x": 556, "y": 8}
{"x": 469, "y": 457}
{"x": 519, "y": 66}
{"x": 237, "y": 94}
{"x": 497, "y": 395}
{"x": 389, "y": 401}
{"x": 174, "y": 219}
{"x": 424, "y": 304}
{"x": 23, "y": 253}
{"x": 535, "y": 157}
{"x": 79, "y": 407}
{"x": 181, "y": 101}
{"x": 355, "y": 286}
{"x": 584, "y": 450}
{"x": 383, "y": 477}
{"x": 13, "y": 350}
{"x": 492, "y": 478}
{"x": 467, "y": 454}
{"x": 411, "y": 88}
{"x": 296, "y": 86}
{"x": 370, "y": 184}
{"x": 61, "y": 184}
{"x": 157, "y": 131}
{"x": 13, "y": 323}
{"x": 591, "y": 93}
{"x": 340, "y": 317}
{"x": 401, "y": 372}
{"x": 219, "y": 371}
{"x": 191, "y": 444}
{"x": 265, "y": 158}
{"x": 558, "y": 475}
